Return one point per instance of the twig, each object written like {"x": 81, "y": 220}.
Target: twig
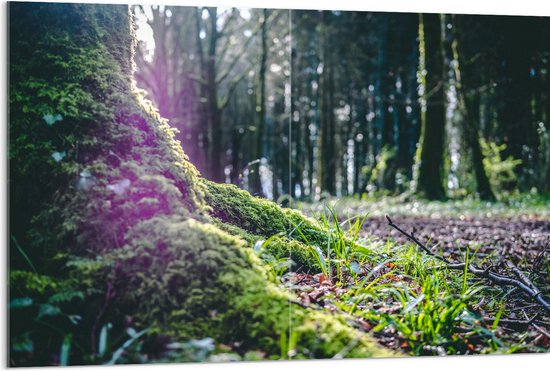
{"x": 305, "y": 306}
{"x": 523, "y": 308}
{"x": 541, "y": 254}
{"x": 520, "y": 275}
{"x": 412, "y": 238}
{"x": 509, "y": 322}
{"x": 528, "y": 288}
{"x": 542, "y": 331}
{"x": 514, "y": 322}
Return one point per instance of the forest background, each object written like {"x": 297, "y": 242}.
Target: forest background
{"x": 351, "y": 103}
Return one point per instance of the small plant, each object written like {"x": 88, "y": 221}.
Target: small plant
{"x": 341, "y": 243}
{"x": 501, "y": 171}
{"x": 429, "y": 307}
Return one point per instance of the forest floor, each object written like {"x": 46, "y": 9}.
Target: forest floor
{"x": 520, "y": 238}
{"x": 410, "y": 301}
{"x": 518, "y": 229}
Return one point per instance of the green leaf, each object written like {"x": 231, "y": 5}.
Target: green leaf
{"x": 258, "y": 247}
{"x": 48, "y": 310}
{"x": 413, "y": 303}
{"x": 103, "y": 337}
{"x": 65, "y": 350}
{"x": 20, "y": 303}
{"x": 22, "y": 344}
{"x": 321, "y": 256}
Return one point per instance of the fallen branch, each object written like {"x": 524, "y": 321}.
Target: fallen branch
{"x": 542, "y": 331}
{"x": 527, "y": 287}
{"x": 305, "y": 306}
{"x": 520, "y": 275}
{"x": 512, "y": 322}
{"x": 539, "y": 257}
{"x": 421, "y": 245}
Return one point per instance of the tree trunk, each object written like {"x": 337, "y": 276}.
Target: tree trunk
{"x": 255, "y": 179}
{"x": 404, "y": 128}
{"x": 202, "y": 109}
{"x": 299, "y": 130}
{"x": 514, "y": 114}
{"x": 327, "y": 140}
{"x": 215, "y": 150}
{"x": 469, "y": 105}
{"x": 429, "y": 157}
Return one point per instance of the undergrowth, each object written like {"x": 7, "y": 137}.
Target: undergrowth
{"x": 409, "y": 300}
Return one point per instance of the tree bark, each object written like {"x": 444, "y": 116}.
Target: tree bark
{"x": 514, "y": 89}
{"x": 469, "y": 105}
{"x": 326, "y": 166}
{"x": 255, "y": 179}
{"x": 429, "y": 157}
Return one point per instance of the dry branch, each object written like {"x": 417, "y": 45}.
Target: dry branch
{"x": 511, "y": 322}
{"x": 526, "y": 286}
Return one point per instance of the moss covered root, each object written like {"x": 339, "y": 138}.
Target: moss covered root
{"x": 200, "y": 280}
{"x": 259, "y": 216}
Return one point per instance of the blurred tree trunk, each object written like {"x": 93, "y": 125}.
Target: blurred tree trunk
{"x": 519, "y": 35}
{"x": 214, "y": 148}
{"x": 326, "y": 168}
{"x": 429, "y": 157}
{"x": 407, "y": 95}
{"x": 166, "y": 75}
{"x": 404, "y": 124}
{"x": 299, "y": 127}
{"x": 469, "y": 103}
{"x": 255, "y": 179}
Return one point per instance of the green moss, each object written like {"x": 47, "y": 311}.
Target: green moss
{"x": 71, "y": 92}
{"x": 302, "y": 256}
{"x": 261, "y": 316}
{"x": 199, "y": 280}
{"x": 236, "y": 231}
{"x": 260, "y": 216}
{"x": 276, "y": 248}
{"x": 326, "y": 335}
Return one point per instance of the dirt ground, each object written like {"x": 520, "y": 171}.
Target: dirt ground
{"x": 521, "y": 239}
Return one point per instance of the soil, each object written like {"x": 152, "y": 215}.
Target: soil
{"x": 521, "y": 239}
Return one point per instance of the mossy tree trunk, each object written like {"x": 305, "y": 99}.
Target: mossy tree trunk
{"x": 103, "y": 197}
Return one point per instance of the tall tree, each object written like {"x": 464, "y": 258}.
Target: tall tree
{"x": 255, "y": 176}
{"x": 469, "y": 102}
{"x": 213, "y": 109}
{"x": 429, "y": 156}
{"x": 206, "y": 55}
{"x": 327, "y": 160}
{"x": 515, "y": 50}
{"x": 217, "y": 73}
{"x": 166, "y": 72}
